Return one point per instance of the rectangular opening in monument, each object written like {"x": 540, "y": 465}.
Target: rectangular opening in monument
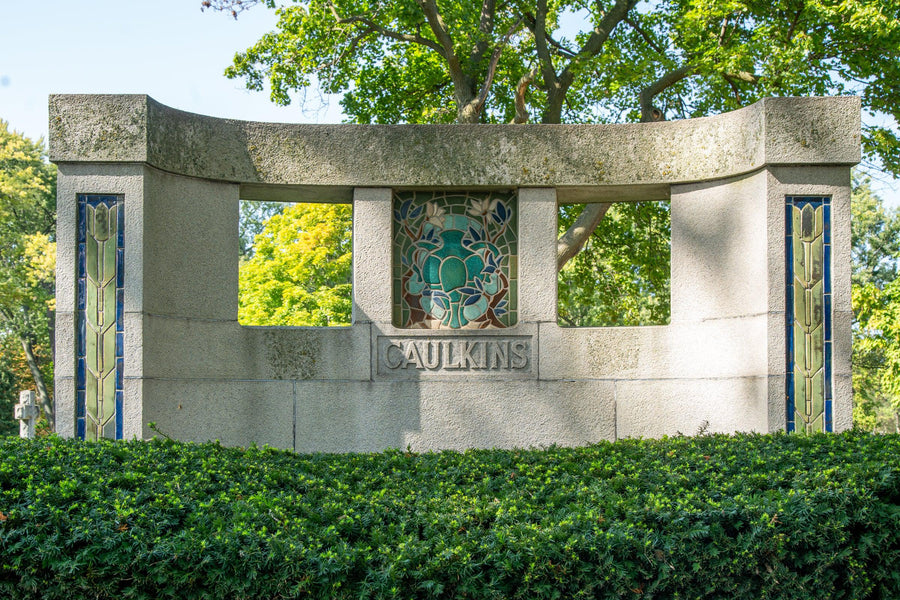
{"x": 621, "y": 276}
{"x": 295, "y": 263}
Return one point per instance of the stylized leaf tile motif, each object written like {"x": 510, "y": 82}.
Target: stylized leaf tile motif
{"x": 808, "y": 315}
{"x": 101, "y": 254}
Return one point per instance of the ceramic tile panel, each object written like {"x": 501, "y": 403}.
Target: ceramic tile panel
{"x": 99, "y": 316}
{"x": 455, "y": 260}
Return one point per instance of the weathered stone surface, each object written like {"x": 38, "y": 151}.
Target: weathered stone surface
{"x": 662, "y": 407}
{"x": 64, "y": 403}
{"x": 460, "y": 357}
{"x": 537, "y": 255}
{"x": 185, "y": 348}
{"x": 237, "y": 413}
{"x": 719, "y": 257}
{"x": 99, "y": 128}
{"x": 372, "y": 255}
{"x": 139, "y": 129}
{"x": 718, "y": 348}
{"x": 189, "y": 231}
{"x": 365, "y": 417}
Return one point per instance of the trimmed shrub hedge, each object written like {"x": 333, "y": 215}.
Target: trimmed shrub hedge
{"x": 746, "y": 517}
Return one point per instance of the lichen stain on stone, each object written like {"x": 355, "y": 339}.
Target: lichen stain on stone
{"x": 292, "y": 354}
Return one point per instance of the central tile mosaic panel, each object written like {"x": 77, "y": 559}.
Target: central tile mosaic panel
{"x": 455, "y": 260}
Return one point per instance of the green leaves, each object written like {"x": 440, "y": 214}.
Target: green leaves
{"x": 742, "y": 517}
{"x": 27, "y": 261}
{"x": 875, "y": 239}
{"x": 27, "y": 223}
{"x": 398, "y": 61}
{"x": 299, "y": 273}
{"x": 621, "y": 276}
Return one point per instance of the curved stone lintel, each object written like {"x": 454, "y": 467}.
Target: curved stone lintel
{"x": 580, "y": 160}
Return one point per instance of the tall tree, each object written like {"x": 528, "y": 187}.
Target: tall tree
{"x": 27, "y": 252}
{"x": 8, "y": 391}
{"x": 421, "y": 61}
{"x": 876, "y": 310}
{"x": 621, "y": 276}
{"x": 252, "y": 220}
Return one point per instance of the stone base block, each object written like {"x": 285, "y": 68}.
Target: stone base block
{"x": 237, "y": 413}
{"x": 364, "y": 417}
{"x": 670, "y": 407}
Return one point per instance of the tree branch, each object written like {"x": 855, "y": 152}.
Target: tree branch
{"x": 667, "y": 80}
{"x": 351, "y": 47}
{"x": 559, "y": 47}
{"x": 485, "y": 27}
{"x": 492, "y": 66}
{"x": 462, "y": 84}
{"x": 743, "y": 76}
{"x": 722, "y": 31}
{"x": 647, "y": 37}
{"x": 39, "y": 384}
{"x": 598, "y": 37}
{"x": 389, "y": 33}
{"x": 524, "y": 82}
{"x": 794, "y": 23}
{"x": 575, "y": 236}
{"x": 235, "y": 7}
{"x": 571, "y": 322}
{"x": 734, "y": 88}
{"x": 540, "y": 41}
{"x": 439, "y": 28}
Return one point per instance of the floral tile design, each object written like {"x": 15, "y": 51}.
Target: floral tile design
{"x": 455, "y": 262}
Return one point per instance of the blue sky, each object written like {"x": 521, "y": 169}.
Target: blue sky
{"x": 168, "y": 49}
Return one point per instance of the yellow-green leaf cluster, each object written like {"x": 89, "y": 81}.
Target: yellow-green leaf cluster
{"x": 27, "y": 266}
{"x": 300, "y": 271}
{"x": 27, "y": 224}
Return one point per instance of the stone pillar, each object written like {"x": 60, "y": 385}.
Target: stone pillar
{"x": 372, "y": 255}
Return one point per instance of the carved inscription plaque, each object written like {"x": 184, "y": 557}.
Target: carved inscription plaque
{"x": 476, "y": 357}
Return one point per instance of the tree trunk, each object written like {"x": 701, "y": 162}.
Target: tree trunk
{"x": 39, "y": 384}
{"x": 557, "y": 87}
{"x": 468, "y": 112}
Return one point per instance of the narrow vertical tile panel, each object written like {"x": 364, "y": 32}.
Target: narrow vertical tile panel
{"x": 99, "y": 317}
{"x": 808, "y": 314}
{"x": 454, "y": 260}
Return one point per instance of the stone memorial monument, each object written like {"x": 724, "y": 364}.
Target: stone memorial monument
{"x": 454, "y": 341}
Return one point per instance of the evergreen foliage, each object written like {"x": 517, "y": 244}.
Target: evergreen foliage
{"x": 739, "y": 517}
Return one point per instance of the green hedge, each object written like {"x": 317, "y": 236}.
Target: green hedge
{"x": 747, "y": 516}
